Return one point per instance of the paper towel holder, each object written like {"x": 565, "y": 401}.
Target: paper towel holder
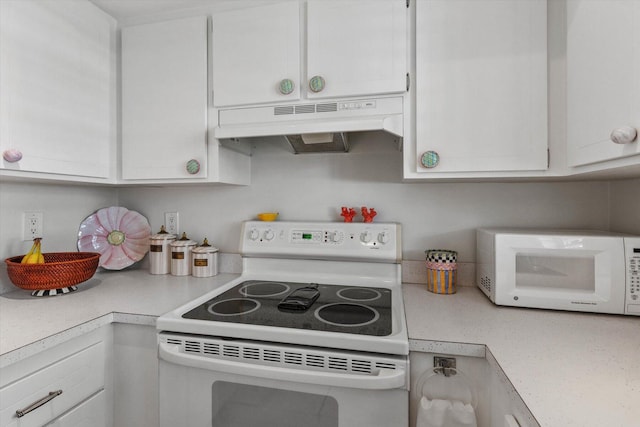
{"x": 445, "y": 370}
{"x": 444, "y": 365}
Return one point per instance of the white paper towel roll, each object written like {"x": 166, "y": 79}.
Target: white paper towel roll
{"x": 445, "y": 413}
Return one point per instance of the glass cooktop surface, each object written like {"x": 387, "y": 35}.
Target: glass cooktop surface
{"x": 331, "y": 308}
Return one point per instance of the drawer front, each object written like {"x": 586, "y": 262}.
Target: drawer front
{"x": 91, "y": 412}
{"x": 79, "y": 375}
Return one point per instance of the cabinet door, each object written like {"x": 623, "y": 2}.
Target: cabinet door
{"x": 56, "y": 86}
{"x": 253, "y": 51}
{"x": 357, "y": 47}
{"x": 481, "y": 94}
{"x": 164, "y": 100}
{"x": 91, "y": 412}
{"x": 603, "y": 78}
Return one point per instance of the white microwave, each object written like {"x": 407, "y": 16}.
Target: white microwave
{"x": 589, "y": 271}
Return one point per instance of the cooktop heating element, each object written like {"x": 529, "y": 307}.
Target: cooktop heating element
{"x": 347, "y": 309}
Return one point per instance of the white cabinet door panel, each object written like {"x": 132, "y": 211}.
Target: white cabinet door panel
{"x": 90, "y": 413}
{"x": 164, "y": 99}
{"x": 56, "y": 86}
{"x": 358, "y": 47}
{"x": 253, "y": 50}
{"x": 603, "y": 78}
{"x": 481, "y": 95}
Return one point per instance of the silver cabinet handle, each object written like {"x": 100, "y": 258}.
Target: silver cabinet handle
{"x": 35, "y": 405}
{"x": 624, "y": 135}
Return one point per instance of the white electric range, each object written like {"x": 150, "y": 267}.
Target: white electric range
{"x": 313, "y": 329}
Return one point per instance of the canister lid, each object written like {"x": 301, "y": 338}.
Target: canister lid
{"x": 205, "y": 248}
{"x": 162, "y": 235}
{"x": 183, "y": 241}
{"x": 441, "y": 255}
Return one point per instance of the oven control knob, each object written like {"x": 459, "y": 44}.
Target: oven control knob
{"x": 269, "y": 235}
{"x": 254, "y": 234}
{"x": 335, "y": 236}
{"x": 383, "y": 237}
{"x": 365, "y": 236}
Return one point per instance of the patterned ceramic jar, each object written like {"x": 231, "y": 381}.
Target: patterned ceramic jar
{"x": 442, "y": 269}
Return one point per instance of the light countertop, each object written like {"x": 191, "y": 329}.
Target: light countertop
{"x": 29, "y": 324}
{"x": 570, "y": 369}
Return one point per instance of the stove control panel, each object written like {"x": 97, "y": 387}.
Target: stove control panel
{"x": 330, "y": 240}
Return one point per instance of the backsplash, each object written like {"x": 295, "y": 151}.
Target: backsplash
{"x": 314, "y": 187}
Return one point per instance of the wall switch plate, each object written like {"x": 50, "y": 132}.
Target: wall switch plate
{"x": 32, "y": 225}
{"x": 171, "y": 222}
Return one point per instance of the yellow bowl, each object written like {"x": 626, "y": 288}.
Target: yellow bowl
{"x": 268, "y": 216}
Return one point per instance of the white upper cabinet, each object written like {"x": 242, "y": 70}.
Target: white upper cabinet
{"x": 57, "y": 80}
{"x": 603, "y": 80}
{"x": 481, "y": 88}
{"x": 254, "y": 51}
{"x": 164, "y": 100}
{"x": 356, "y": 47}
{"x": 317, "y": 49}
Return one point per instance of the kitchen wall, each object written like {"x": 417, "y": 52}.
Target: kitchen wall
{"x": 625, "y": 206}
{"x": 311, "y": 186}
{"x": 64, "y": 207}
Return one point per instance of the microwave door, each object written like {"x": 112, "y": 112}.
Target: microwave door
{"x": 579, "y": 278}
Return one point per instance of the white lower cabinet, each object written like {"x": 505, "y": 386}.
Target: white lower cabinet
{"x": 477, "y": 381}
{"x": 90, "y": 413}
{"x": 53, "y": 386}
{"x": 135, "y": 375}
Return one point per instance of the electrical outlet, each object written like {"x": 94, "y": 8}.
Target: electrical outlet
{"x": 32, "y": 225}
{"x": 171, "y": 222}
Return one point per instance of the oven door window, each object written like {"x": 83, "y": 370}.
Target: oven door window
{"x": 243, "y": 405}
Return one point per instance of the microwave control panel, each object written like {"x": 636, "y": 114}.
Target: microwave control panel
{"x": 632, "y": 251}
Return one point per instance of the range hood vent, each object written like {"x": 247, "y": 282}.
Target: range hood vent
{"x": 335, "y": 142}
{"x": 326, "y": 117}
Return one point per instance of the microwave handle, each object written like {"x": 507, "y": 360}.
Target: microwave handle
{"x": 384, "y": 378}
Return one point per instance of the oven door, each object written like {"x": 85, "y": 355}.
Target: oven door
{"x": 235, "y": 383}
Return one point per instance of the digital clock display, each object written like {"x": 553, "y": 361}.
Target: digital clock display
{"x": 307, "y": 236}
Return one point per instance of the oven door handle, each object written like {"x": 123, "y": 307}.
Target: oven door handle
{"x": 383, "y": 379}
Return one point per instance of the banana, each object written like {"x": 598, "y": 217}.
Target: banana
{"x": 31, "y": 251}
{"x": 36, "y": 256}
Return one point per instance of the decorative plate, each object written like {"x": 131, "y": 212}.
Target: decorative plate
{"x": 119, "y": 235}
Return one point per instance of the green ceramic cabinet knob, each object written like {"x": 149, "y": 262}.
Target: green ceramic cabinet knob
{"x": 430, "y": 159}
{"x": 316, "y": 84}
{"x": 286, "y": 86}
{"x": 193, "y": 166}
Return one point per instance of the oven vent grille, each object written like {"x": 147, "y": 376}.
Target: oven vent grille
{"x": 297, "y": 357}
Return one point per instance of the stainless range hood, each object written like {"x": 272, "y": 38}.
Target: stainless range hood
{"x": 313, "y": 127}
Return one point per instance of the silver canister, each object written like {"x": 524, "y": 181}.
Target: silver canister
{"x": 160, "y": 252}
{"x": 205, "y": 260}
{"x": 181, "y": 256}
